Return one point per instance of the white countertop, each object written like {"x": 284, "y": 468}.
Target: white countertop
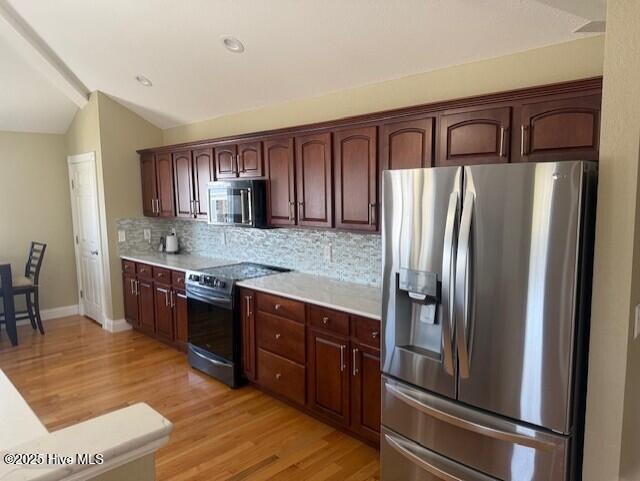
{"x": 178, "y": 262}
{"x": 18, "y": 423}
{"x": 343, "y": 296}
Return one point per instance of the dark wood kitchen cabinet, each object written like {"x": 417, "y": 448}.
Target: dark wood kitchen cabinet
{"x": 146, "y": 306}
{"x": 164, "y": 311}
{"x": 365, "y": 391}
{"x": 181, "y": 319}
{"x": 183, "y": 180}
{"x": 328, "y": 371}
{"x": 314, "y": 181}
{"x": 149, "y": 184}
{"x": 203, "y": 173}
{"x": 474, "y": 137}
{"x": 239, "y": 160}
{"x": 156, "y": 171}
{"x": 281, "y": 186}
{"x": 130, "y": 290}
{"x": 247, "y": 313}
{"x": 563, "y": 129}
{"x": 356, "y": 179}
{"x": 407, "y": 144}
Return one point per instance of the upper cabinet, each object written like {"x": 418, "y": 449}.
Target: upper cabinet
{"x": 314, "y": 190}
{"x": 566, "y": 129}
{"x": 239, "y": 160}
{"x": 474, "y": 137}
{"x": 407, "y": 144}
{"x": 183, "y": 179}
{"x": 356, "y": 179}
{"x": 281, "y": 188}
{"x": 203, "y": 173}
{"x": 157, "y": 185}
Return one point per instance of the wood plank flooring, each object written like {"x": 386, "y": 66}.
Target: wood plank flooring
{"x": 78, "y": 371}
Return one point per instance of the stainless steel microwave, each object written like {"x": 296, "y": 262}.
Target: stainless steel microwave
{"x": 238, "y": 203}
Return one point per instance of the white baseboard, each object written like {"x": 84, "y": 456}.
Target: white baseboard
{"x": 117, "y": 325}
{"x": 54, "y": 313}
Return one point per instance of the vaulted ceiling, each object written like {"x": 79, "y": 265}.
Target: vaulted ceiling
{"x": 293, "y": 49}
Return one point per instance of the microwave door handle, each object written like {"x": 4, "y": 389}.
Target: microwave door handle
{"x": 243, "y": 207}
{"x": 463, "y": 288}
{"x": 250, "y": 199}
{"x": 448, "y": 287}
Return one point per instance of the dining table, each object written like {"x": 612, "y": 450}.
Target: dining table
{"x": 6, "y": 287}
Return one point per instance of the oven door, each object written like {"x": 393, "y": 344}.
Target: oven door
{"x": 231, "y": 203}
{"x": 211, "y": 335}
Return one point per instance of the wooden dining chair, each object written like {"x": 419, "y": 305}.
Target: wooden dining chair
{"x": 27, "y": 286}
{"x": 8, "y": 317}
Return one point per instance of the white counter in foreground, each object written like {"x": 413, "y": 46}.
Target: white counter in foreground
{"x": 343, "y": 296}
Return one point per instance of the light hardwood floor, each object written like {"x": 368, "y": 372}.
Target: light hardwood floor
{"x": 78, "y": 371}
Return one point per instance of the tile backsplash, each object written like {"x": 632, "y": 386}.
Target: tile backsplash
{"x": 354, "y": 257}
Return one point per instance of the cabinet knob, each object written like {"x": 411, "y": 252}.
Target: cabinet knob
{"x": 325, "y": 320}
{"x": 278, "y": 376}
{"x": 375, "y": 334}
{"x": 277, "y": 336}
{"x": 278, "y": 306}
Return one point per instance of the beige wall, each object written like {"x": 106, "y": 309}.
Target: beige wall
{"x": 114, "y": 133}
{"x": 573, "y": 60}
{"x": 35, "y": 205}
{"x": 613, "y": 419}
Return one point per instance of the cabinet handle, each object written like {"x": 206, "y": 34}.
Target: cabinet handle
{"x": 181, "y": 296}
{"x": 248, "y": 301}
{"x": 166, "y": 295}
{"x": 523, "y": 151}
{"x": 372, "y": 214}
{"x": 325, "y": 320}
{"x": 133, "y": 292}
{"x": 342, "y": 366}
{"x": 159, "y": 206}
{"x": 292, "y": 207}
{"x": 300, "y": 216}
{"x": 277, "y": 307}
{"x": 354, "y": 360}
{"x": 173, "y": 302}
{"x": 278, "y": 335}
{"x": 136, "y": 285}
{"x": 375, "y": 334}
{"x": 278, "y": 376}
{"x": 501, "y": 153}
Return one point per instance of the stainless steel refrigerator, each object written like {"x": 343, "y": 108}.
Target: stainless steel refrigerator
{"x": 486, "y": 295}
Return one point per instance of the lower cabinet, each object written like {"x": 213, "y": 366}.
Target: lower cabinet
{"x": 155, "y": 302}
{"x": 325, "y": 361}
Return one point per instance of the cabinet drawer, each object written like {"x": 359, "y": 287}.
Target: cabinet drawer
{"x": 177, "y": 279}
{"x": 129, "y": 267}
{"x": 366, "y": 330}
{"x": 144, "y": 271}
{"x": 281, "y": 336}
{"x": 280, "y": 306}
{"x": 162, "y": 275}
{"x": 329, "y": 319}
{"x": 281, "y": 376}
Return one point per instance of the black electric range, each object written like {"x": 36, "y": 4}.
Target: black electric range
{"x": 214, "y": 318}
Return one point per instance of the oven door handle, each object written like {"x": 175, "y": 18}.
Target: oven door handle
{"x": 223, "y": 302}
{"x": 211, "y": 360}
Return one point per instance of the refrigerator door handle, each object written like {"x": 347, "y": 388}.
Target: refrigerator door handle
{"x": 448, "y": 289}
{"x": 463, "y": 298}
{"x": 502, "y": 430}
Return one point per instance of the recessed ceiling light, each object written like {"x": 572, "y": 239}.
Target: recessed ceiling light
{"x": 232, "y": 44}
{"x": 142, "y": 80}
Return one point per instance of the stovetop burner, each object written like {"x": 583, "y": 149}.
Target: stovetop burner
{"x": 222, "y": 278}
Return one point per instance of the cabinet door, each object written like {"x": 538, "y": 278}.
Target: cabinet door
{"x": 281, "y": 197}
{"x": 248, "y": 334}
{"x": 475, "y": 137}
{"x": 203, "y": 170}
{"x": 164, "y": 176}
{"x": 250, "y": 160}
{"x": 365, "y": 391}
{"x": 356, "y": 178}
{"x": 314, "y": 183}
{"x": 181, "y": 319}
{"x": 146, "y": 306}
{"x": 149, "y": 186}
{"x": 164, "y": 312}
{"x": 407, "y": 145}
{"x": 226, "y": 162}
{"x": 567, "y": 129}
{"x": 328, "y": 383}
{"x": 183, "y": 180}
{"x": 130, "y": 300}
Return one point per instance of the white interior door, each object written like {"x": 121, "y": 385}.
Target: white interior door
{"x": 86, "y": 226}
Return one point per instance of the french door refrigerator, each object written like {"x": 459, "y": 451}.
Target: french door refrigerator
{"x": 486, "y": 295}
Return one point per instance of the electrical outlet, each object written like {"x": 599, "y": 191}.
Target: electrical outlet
{"x": 122, "y": 236}
{"x": 636, "y": 327}
{"x": 328, "y": 252}
{"x": 173, "y": 231}
{"x": 147, "y": 235}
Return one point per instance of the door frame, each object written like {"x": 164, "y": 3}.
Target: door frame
{"x": 71, "y": 161}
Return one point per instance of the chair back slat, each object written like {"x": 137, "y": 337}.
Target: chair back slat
{"x": 34, "y": 261}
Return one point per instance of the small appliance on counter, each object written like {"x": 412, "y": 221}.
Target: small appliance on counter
{"x": 171, "y": 245}
{"x": 213, "y": 305}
